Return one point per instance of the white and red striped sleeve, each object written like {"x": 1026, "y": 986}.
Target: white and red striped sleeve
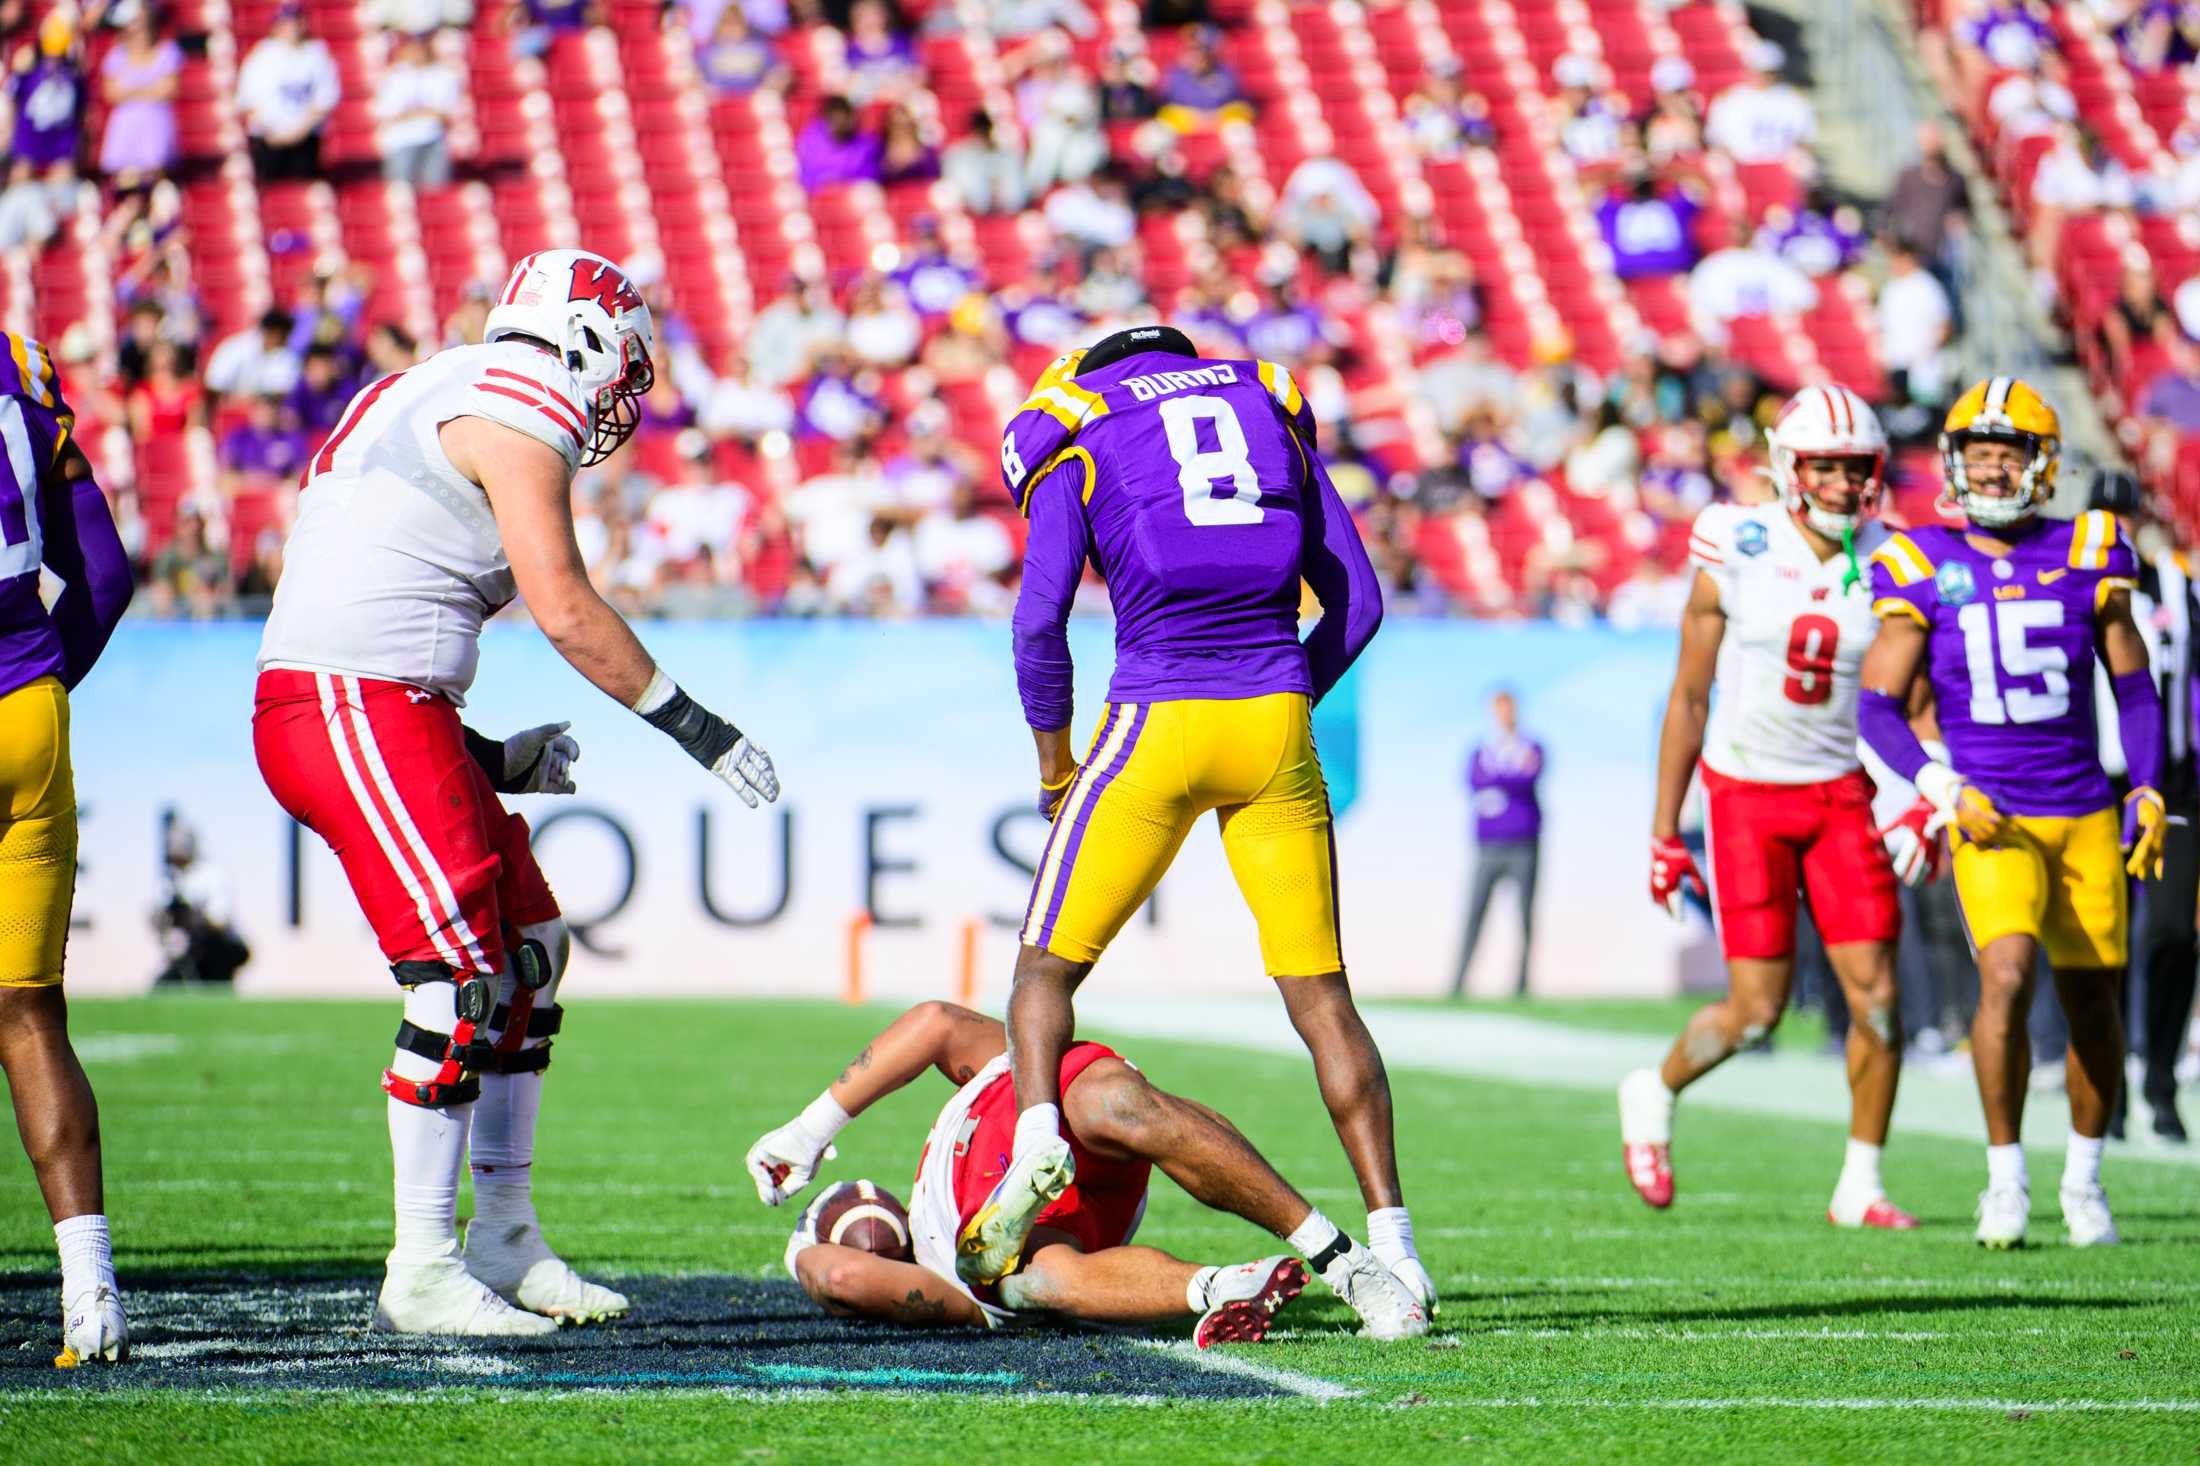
{"x": 1711, "y": 544}
{"x": 531, "y": 392}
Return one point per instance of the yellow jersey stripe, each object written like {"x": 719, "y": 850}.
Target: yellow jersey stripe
{"x": 2108, "y": 586}
{"x": 37, "y": 379}
{"x": 1092, "y": 475}
{"x": 1887, "y": 606}
{"x": 1071, "y": 809}
{"x": 2091, "y": 534}
{"x": 1067, "y": 404}
{"x": 1904, "y": 561}
{"x": 1281, "y": 387}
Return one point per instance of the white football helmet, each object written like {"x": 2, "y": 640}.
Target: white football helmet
{"x": 584, "y": 308}
{"x": 1821, "y": 422}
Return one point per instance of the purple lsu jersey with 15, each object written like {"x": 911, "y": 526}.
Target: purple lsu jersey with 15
{"x": 2012, "y": 642}
{"x": 34, "y": 423}
{"x": 1194, "y": 477}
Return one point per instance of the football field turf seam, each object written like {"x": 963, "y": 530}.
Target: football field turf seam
{"x": 1553, "y": 1055}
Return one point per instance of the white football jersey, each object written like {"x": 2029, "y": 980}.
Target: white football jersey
{"x": 395, "y": 559}
{"x": 1784, "y": 707}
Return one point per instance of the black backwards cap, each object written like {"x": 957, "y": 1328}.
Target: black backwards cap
{"x": 1130, "y": 343}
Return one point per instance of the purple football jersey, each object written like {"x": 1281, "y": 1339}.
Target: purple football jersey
{"x": 32, "y": 421}
{"x": 45, "y": 521}
{"x": 1193, "y": 487}
{"x": 2012, "y": 642}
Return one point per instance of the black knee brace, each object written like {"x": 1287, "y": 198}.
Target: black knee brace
{"x": 460, "y": 1053}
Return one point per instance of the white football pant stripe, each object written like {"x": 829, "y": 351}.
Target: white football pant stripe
{"x": 410, "y": 831}
{"x": 334, "y": 720}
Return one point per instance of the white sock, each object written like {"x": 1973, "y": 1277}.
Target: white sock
{"x": 1038, "y": 1125}
{"x": 1317, "y": 1235}
{"x": 1860, "y": 1171}
{"x": 2082, "y": 1161}
{"x": 1195, "y": 1292}
{"x": 503, "y": 1149}
{"x": 1390, "y": 1232}
{"x": 427, "y": 1148}
{"x": 87, "y": 1254}
{"x": 2005, "y": 1166}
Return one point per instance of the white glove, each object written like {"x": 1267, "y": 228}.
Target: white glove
{"x": 748, "y": 770}
{"x": 804, "y": 1238}
{"x": 541, "y": 760}
{"x": 784, "y": 1161}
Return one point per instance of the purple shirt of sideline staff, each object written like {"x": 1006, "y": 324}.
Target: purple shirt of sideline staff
{"x": 1501, "y": 777}
{"x": 1502, "y": 772}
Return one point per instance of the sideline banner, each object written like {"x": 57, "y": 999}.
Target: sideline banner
{"x": 906, "y": 834}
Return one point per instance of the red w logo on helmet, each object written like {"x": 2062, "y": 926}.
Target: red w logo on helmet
{"x": 604, "y": 285}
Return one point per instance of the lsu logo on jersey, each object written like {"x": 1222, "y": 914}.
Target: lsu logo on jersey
{"x": 1955, "y": 583}
{"x": 1749, "y": 538}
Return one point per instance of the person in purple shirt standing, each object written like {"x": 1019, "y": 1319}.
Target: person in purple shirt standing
{"x": 1193, "y": 486}
{"x": 46, "y": 92}
{"x": 52, "y": 515}
{"x": 1502, "y": 773}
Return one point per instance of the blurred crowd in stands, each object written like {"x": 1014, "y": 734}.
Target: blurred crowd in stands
{"x": 2088, "y": 115}
{"x": 875, "y": 504}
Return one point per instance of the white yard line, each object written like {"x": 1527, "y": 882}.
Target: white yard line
{"x": 1217, "y": 1361}
{"x": 1553, "y": 1055}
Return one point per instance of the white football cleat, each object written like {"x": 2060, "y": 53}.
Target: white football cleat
{"x": 520, "y": 1268}
{"x": 1408, "y": 1269}
{"x": 93, "y": 1329}
{"x": 1243, "y": 1300}
{"x": 440, "y": 1297}
{"x": 2003, "y": 1212}
{"x": 1646, "y": 1136}
{"x": 2085, "y": 1213}
{"x": 993, "y": 1239}
{"x": 1386, "y": 1309}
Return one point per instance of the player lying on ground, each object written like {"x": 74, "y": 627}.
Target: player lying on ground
{"x": 53, "y": 514}
{"x": 2005, "y": 618}
{"x": 446, "y": 490}
{"x": 1078, "y": 1262}
{"x": 1193, "y": 486}
{"x": 1779, "y": 616}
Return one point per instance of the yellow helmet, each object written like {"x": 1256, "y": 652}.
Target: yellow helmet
{"x": 2004, "y": 410}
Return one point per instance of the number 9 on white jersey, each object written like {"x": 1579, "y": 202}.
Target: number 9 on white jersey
{"x": 1783, "y": 708}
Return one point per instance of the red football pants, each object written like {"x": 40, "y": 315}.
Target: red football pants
{"x": 1770, "y": 843}
{"x": 380, "y": 771}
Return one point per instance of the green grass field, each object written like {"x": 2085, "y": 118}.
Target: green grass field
{"x": 246, "y": 1151}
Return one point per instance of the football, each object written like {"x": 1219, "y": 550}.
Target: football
{"x": 862, "y": 1214}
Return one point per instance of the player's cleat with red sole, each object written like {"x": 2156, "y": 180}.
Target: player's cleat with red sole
{"x": 1878, "y": 1213}
{"x": 1243, "y": 1300}
{"x": 93, "y": 1330}
{"x": 993, "y": 1239}
{"x": 1646, "y": 1136}
{"x": 1650, "y": 1172}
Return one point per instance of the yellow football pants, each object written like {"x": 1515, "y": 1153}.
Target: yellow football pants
{"x": 37, "y": 833}
{"x": 2057, "y": 878}
{"x": 1155, "y": 768}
